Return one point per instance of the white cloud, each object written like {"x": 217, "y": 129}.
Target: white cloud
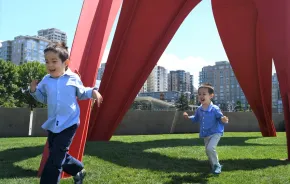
{"x": 1, "y": 43}
{"x": 189, "y": 64}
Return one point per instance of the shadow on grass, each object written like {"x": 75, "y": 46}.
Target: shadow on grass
{"x": 133, "y": 155}
{"x": 9, "y": 157}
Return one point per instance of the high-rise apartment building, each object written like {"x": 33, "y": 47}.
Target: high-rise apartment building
{"x": 277, "y": 106}
{"x": 53, "y": 34}
{"x": 156, "y": 81}
{"x": 28, "y": 48}
{"x": 180, "y": 80}
{"x": 6, "y": 50}
{"x": 162, "y": 79}
{"x": 144, "y": 88}
{"x": 191, "y": 85}
{"x": 226, "y": 86}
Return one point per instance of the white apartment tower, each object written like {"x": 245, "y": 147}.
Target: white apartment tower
{"x": 157, "y": 80}
{"x": 53, "y": 34}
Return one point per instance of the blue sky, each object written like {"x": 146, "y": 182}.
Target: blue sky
{"x": 195, "y": 44}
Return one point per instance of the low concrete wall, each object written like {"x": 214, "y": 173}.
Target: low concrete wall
{"x": 247, "y": 122}
{"x": 157, "y": 122}
{"x": 145, "y": 122}
{"x": 39, "y": 117}
{"x": 185, "y": 125}
{"x": 279, "y": 122}
{"x": 14, "y": 122}
{"x": 241, "y": 122}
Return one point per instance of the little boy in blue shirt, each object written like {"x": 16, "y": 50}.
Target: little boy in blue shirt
{"x": 211, "y": 122}
{"x": 59, "y": 89}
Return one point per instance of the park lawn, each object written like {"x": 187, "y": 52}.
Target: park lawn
{"x": 153, "y": 159}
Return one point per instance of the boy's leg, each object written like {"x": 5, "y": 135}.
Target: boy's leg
{"x": 71, "y": 165}
{"x": 45, "y": 173}
{"x": 206, "y": 141}
{"x": 58, "y": 153}
{"x": 210, "y": 149}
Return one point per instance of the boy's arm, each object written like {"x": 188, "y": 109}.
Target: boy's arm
{"x": 195, "y": 117}
{"x": 39, "y": 94}
{"x": 219, "y": 115}
{"x": 83, "y": 92}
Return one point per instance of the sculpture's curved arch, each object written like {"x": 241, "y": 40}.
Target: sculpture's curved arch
{"x": 252, "y": 31}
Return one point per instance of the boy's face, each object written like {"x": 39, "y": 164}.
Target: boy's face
{"x": 204, "y": 97}
{"x": 54, "y": 66}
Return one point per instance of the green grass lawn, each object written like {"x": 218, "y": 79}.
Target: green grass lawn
{"x": 166, "y": 159}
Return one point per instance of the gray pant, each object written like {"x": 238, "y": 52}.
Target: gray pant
{"x": 210, "y": 144}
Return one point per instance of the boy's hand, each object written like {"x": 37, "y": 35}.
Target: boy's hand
{"x": 225, "y": 119}
{"x": 98, "y": 97}
{"x": 185, "y": 115}
{"x": 33, "y": 85}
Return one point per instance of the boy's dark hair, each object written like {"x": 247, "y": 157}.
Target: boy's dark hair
{"x": 58, "y": 47}
{"x": 208, "y": 86}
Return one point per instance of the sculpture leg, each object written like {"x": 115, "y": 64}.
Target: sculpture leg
{"x": 143, "y": 32}
{"x": 275, "y": 18}
{"x": 94, "y": 26}
{"x": 247, "y": 49}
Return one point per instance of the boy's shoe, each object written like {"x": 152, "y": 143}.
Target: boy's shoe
{"x": 79, "y": 177}
{"x": 217, "y": 169}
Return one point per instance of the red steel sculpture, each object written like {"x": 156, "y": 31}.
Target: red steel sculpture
{"x": 253, "y": 33}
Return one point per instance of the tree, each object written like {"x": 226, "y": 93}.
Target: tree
{"x": 192, "y": 102}
{"x": 28, "y": 72}
{"x": 141, "y": 105}
{"x": 238, "y": 107}
{"x": 182, "y": 103}
{"x": 8, "y": 83}
{"x": 249, "y": 108}
{"x": 135, "y": 105}
{"x": 223, "y": 106}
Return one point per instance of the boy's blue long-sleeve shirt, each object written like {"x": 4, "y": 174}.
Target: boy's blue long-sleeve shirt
{"x": 60, "y": 96}
{"x": 209, "y": 119}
